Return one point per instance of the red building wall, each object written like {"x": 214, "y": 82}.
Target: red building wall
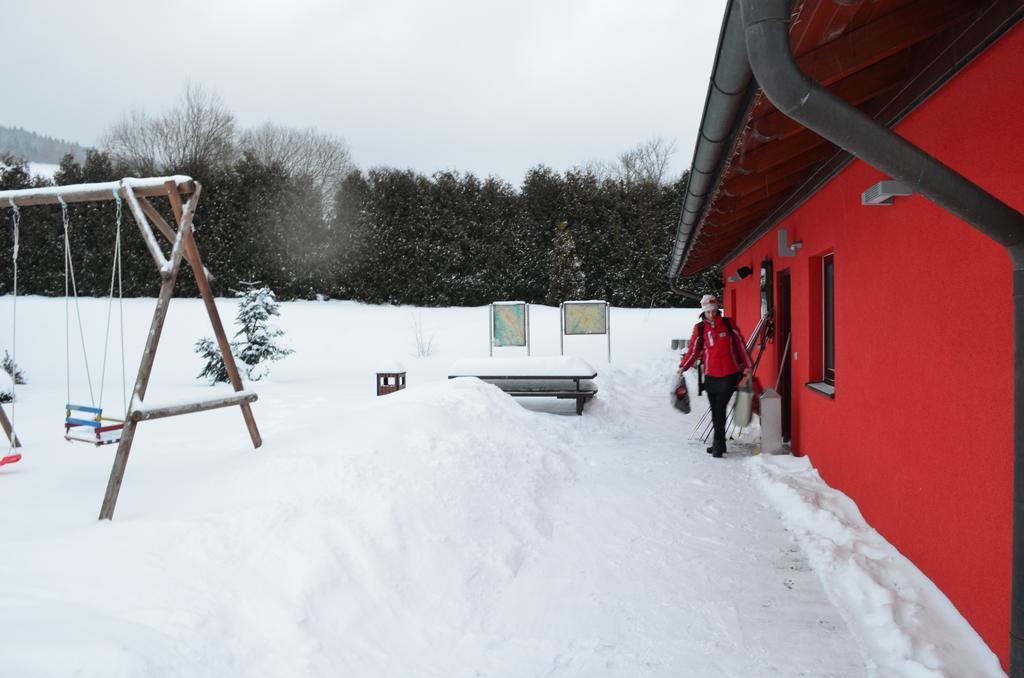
{"x": 919, "y": 433}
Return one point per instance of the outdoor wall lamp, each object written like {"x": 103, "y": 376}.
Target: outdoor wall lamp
{"x": 884, "y": 193}
{"x": 786, "y": 248}
{"x": 741, "y": 273}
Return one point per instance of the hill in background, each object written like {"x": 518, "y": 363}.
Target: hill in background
{"x": 25, "y": 145}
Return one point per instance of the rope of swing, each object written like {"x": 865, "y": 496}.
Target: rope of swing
{"x": 71, "y": 286}
{"x": 16, "y": 218}
{"x": 115, "y": 276}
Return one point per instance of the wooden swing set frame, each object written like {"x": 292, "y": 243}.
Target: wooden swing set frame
{"x": 183, "y": 194}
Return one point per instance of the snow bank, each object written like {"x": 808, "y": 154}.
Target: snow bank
{"x": 370, "y": 550}
{"x": 907, "y": 626}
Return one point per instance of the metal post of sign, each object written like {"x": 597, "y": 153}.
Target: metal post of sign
{"x": 490, "y": 330}
{"x": 527, "y": 328}
{"x": 561, "y": 328}
{"x": 608, "y": 327}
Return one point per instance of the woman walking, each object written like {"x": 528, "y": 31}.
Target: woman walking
{"x": 722, "y": 352}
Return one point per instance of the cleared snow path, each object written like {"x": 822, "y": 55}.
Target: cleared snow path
{"x": 678, "y": 565}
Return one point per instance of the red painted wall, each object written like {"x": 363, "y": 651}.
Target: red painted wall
{"x": 920, "y": 431}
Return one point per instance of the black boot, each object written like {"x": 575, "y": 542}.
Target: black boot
{"x": 710, "y": 450}
{"x": 718, "y": 449}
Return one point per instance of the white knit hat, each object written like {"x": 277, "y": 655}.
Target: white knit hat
{"x": 708, "y": 302}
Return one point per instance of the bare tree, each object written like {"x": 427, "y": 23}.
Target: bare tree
{"x": 197, "y": 133}
{"x": 324, "y": 160}
{"x": 648, "y": 161}
{"x": 132, "y": 141}
{"x": 600, "y": 169}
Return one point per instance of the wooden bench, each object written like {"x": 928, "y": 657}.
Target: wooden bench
{"x": 564, "y": 378}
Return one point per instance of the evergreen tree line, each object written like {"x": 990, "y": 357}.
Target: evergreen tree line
{"x": 381, "y": 236}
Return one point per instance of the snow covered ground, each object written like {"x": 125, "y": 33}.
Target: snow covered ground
{"x": 42, "y": 169}
{"x": 446, "y": 530}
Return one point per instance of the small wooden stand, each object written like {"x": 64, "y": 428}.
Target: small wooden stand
{"x": 390, "y": 382}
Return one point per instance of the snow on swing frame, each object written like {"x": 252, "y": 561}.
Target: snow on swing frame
{"x": 135, "y": 193}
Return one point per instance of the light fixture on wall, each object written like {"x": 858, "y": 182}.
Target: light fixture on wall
{"x": 885, "y": 193}
{"x": 786, "y": 248}
{"x": 741, "y": 273}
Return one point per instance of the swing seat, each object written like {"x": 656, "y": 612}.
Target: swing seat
{"x": 10, "y": 459}
{"x": 101, "y": 434}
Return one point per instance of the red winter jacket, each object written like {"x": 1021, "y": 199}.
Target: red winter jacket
{"x": 724, "y": 351}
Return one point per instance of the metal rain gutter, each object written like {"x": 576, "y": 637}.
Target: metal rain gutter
{"x": 766, "y": 27}
{"x": 676, "y": 289}
{"x": 726, "y": 98}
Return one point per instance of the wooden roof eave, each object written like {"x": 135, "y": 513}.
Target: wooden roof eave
{"x": 877, "y": 74}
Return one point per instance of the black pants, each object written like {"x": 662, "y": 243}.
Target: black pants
{"x": 720, "y": 390}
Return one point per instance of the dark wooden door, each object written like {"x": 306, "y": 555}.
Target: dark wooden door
{"x": 782, "y": 333}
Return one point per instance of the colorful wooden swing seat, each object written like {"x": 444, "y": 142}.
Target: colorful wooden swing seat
{"x": 101, "y": 434}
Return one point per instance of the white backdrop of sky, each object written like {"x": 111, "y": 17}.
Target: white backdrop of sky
{"x": 492, "y": 87}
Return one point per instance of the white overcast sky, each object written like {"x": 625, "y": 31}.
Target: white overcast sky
{"x": 488, "y": 87}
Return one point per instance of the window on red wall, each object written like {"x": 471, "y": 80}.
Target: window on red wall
{"x": 822, "y": 324}
{"x": 828, "y": 315}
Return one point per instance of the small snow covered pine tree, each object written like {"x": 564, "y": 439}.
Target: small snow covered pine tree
{"x": 258, "y": 345}
{"x": 214, "y": 370}
{"x": 10, "y": 367}
{"x": 567, "y": 280}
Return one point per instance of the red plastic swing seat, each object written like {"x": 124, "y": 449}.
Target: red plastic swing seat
{"x": 10, "y": 459}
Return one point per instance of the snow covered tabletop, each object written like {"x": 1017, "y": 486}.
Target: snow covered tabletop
{"x": 546, "y": 367}
{"x": 544, "y": 385}
{"x": 389, "y": 367}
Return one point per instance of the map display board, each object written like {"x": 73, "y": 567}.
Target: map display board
{"x": 585, "y": 318}
{"x": 509, "y": 324}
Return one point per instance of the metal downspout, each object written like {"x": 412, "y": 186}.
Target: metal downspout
{"x": 676, "y": 289}
{"x": 766, "y": 28}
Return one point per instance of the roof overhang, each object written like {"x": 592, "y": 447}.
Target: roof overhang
{"x": 753, "y": 166}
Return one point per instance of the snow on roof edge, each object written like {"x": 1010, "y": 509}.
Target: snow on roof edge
{"x": 133, "y": 182}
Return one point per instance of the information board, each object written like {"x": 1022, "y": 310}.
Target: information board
{"x": 585, "y": 318}
{"x": 509, "y": 324}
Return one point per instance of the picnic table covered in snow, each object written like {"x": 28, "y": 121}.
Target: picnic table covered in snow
{"x": 563, "y": 377}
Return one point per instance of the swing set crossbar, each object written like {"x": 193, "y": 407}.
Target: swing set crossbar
{"x": 98, "y": 192}
{"x": 160, "y": 412}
